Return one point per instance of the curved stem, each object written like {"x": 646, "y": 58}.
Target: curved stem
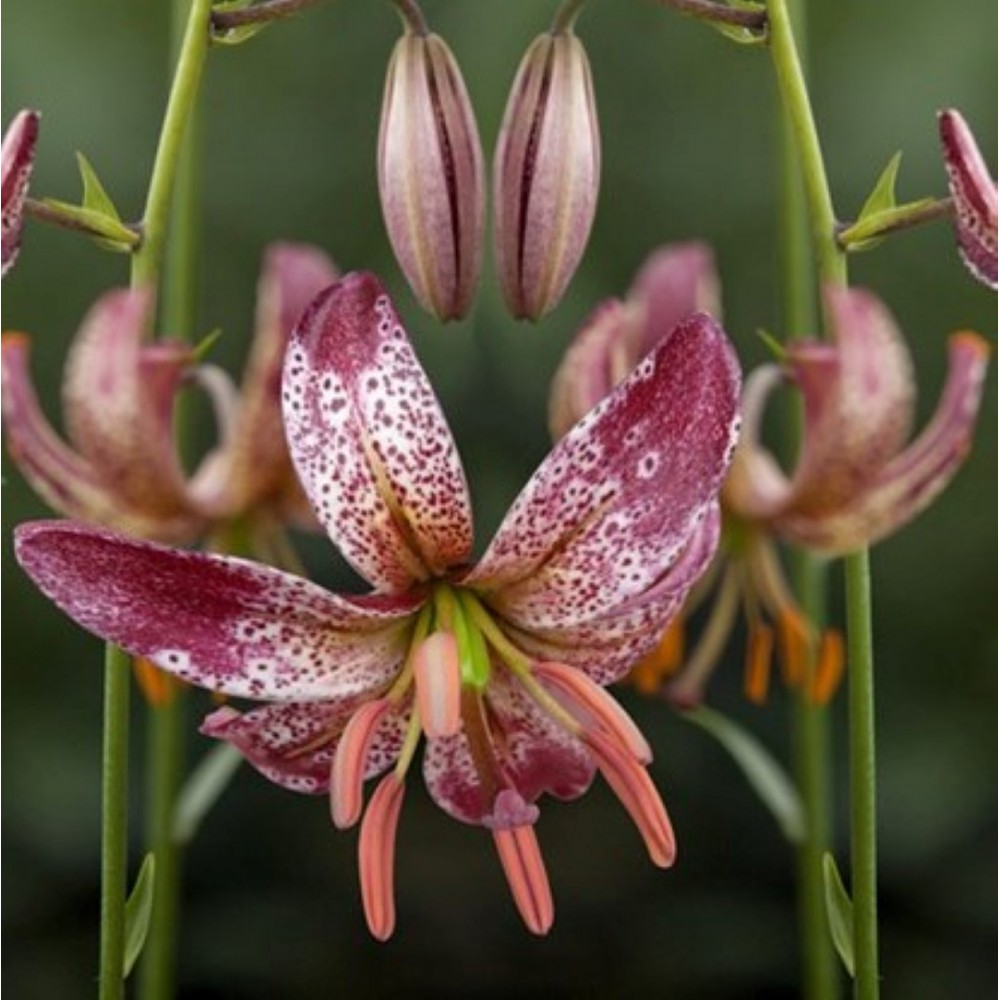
{"x": 413, "y": 16}
{"x": 114, "y": 827}
{"x": 270, "y": 10}
{"x": 895, "y": 220}
{"x": 147, "y": 260}
{"x": 565, "y": 17}
{"x": 720, "y": 13}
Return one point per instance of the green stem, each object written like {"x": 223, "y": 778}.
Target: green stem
{"x": 114, "y": 830}
{"x": 148, "y": 258}
{"x": 861, "y": 678}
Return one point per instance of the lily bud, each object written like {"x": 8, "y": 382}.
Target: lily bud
{"x": 431, "y": 175}
{"x": 18, "y": 158}
{"x": 546, "y": 175}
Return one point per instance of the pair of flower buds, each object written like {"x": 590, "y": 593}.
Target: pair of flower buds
{"x": 546, "y": 174}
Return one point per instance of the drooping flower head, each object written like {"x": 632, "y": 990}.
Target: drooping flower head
{"x": 500, "y": 666}
{"x": 974, "y": 195}
{"x": 18, "y": 156}
{"x": 121, "y": 468}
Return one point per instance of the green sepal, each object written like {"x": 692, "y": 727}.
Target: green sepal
{"x": 839, "y": 913}
{"x": 138, "y": 910}
{"x": 763, "y": 772}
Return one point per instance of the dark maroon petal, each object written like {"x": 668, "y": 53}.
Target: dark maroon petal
{"x": 370, "y": 443}
{"x": 616, "y": 502}
{"x": 216, "y": 621}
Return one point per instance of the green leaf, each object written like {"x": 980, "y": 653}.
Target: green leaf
{"x": 138, "y": 910}
{"x": 204, "y": 346}
{"x": 883, "y": 195}
{"x": 766, "y": 776}
{"x": 775, "y": 346}
{"x": 839, "y": 913}
{"x": 204, "y": 786}
{"x": 95, "y": 197}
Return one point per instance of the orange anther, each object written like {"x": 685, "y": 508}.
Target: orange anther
{"x": 757, "y": 672}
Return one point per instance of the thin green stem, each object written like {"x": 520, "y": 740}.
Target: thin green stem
{"x": 114, "y": 829}
{"x": 861, "y": 679}
{"x": 147, "y": 260}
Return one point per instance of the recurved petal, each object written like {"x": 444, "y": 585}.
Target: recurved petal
{"x": 974, "y": 193}
{"x": 910, "y": 482}
{"x": 118, "y": 400}
{"x": 18, "y": 156}
{"x": 614, "y": 505}
{"x": 369, "y": 440}
{"x": 293, "y": 743}
{"x": 251, "y": 466}
{"x": 222, "y": 623}
{"x": 858, "y": 396}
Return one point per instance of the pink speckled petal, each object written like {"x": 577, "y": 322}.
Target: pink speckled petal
{"x": 908, "y": 484}
{"x": 118, "y": 400}
{"x": 222, "y": 623}
{"x": 293, "y": 743}
{"x": 533, "y": 753}
{"x": 616, "y": 502}
{"x": 605, "y": 648}
{"x": 676, "y": 280}
{"x": 370, "y": 443}
{"x": 974, "y": 193}
{"x": 18, "y": 158}
{"x": 252, "y": 466}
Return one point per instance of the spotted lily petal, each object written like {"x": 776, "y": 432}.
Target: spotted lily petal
{"x": 974, "y": 193}
{"x": 118, "y": 399}
{"x": 907, "y": 484}
{"x": 293, "y": 743}
{"x": 252, "y": 465}
{"x": 226, "y": 624}
{"x": 18, "y": 158}
{"x": 370, "y": 443}
{"x": 616, "y": 502}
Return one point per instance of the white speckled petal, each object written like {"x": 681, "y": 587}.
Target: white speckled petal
{"x": 534, "y": 756}
{"x": 615, "y": 503}
{"x": 222, "y": 623}
{"x": 292, "y": 744}
{"x": 18, "y": 156}
{"x": 370, "y": 443}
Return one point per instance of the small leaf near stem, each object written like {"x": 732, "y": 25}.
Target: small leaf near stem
{"x": 109, "y": 232}
{"x": 138, "y": 910}
{"x": 839, "y": 912}
{"x": 867, "y": 231}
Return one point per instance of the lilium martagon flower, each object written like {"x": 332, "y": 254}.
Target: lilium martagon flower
{"x": 18, "y": 158}
{"x": 973, "y": 195}
{"x": 121, "y": 468}
{"x": 500, "y": 666}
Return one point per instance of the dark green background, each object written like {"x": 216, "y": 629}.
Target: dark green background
{"x": 291, "y": 119}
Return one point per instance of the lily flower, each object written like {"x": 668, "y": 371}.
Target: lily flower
{"x": 500, "y": 666}
{"x": 18, "y": 157}
{"x": 121, "y": 468}
{"x": 974, "y": 195}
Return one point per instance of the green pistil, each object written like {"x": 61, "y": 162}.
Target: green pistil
{"x": 452, "y": 615}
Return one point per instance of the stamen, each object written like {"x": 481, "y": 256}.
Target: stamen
{"x": 590, "y": 703}
{"x": 377, "y": 856}
{"x": 663, "y": 662}
{"x": 757, "y": 673}
{"x": 347, "y": 773}
{"x": 635, "y": 790}
{"x": 438, "y": 678}
{"x": 793, "y": 641}
{"x": 829, "y": 667}
{"x": 420, "y": 630}
{"x": 525, "y": 870}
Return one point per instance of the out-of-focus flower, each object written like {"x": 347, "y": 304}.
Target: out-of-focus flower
{"x": 501, "y": 667}
{"x": 431, "y": 175}
{"x": 122, "y": 469}
{"x": 974, "y": 194}
{"x": 676, "y": 281}
{"x": 18, "y": 158}
{"x": 546, "y": 174}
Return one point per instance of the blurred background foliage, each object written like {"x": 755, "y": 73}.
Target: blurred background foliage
{"x": 272, "y": 907}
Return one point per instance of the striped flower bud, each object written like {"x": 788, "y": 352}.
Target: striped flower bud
{"x": 546, "y": 174}
{"x": 431, "y": 176}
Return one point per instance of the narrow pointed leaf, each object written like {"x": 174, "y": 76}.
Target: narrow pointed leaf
{"x": 839, "y": 913}
{"x": 95, "y": 197}
{"x": 766, "y": 776}
{"x": 203, "y": 788}
{"x": 204, "y": 347}
{"x": 883, "y": 195}
{"x": 138, "y": 910}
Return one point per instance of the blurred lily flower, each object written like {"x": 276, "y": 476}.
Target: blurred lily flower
{"x": 121, "y": 468}
{"x": 546, "y": 174}
{"x": 501, "y": 666}
{"x": 18, "y": 156}
{"x": 431, "y": 175}
{"x": 974, "y": 194}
